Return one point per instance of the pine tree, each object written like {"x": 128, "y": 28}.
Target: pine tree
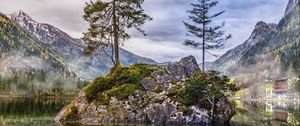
{"x": 108, "y": 22}
{"x": 201, "y": 27}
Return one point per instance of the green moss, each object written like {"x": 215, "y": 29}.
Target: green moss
{"x": 116, "y": 82}
{"x": 177, "y": 93}
{"x": 157, "y": 100}
{"x": 71, "y": 113}
{"x": 158, "y": 88}
{"x": 233, "y": 102}
{"x": 112, "y": 112}
{"x": 101, "y": 115}
{"x": 102, "y": 99}
{"x": 186, "y": 110}
{"x": 123, "y": 91}
{"x": 97, "y": 86}
{"x": 177, "y": 89}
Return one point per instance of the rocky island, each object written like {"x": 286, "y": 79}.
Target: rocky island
{"x": 156, "y": 94}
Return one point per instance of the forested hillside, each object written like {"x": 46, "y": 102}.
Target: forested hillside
{"x": 282, "y": 47}
{"x": 71, "y": 50}
{"x": 27, "y": 67}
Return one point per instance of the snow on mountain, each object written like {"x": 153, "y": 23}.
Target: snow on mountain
{"x": 20, "y": 53}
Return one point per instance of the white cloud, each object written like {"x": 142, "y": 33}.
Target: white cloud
{"x": 162, "y": 51}
{"x": 166, "y": 31}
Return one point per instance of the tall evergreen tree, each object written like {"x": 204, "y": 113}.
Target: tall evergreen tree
{"x": 109, "y": 20}
{"x": 201, "y": 27}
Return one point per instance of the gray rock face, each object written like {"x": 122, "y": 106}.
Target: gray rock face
{"x": 199, "y": 116}
{"x": 290, "y": 6}
{"x": 183, "y": 69}
{"x": 176, "y": 72}
{"x": 226, "y": 111}
{"x": 151, "y": 106}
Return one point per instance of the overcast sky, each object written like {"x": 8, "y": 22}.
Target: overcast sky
{"x": 166, "y": 32}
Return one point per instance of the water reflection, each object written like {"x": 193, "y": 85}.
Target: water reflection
{"x": 29, "y": 111}
{"x": 268, "y": 113}
{"x": 40, "y": 112}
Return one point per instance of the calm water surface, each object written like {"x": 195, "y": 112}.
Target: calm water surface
{"x": 30, "y": 111}
{"x": 271, "y": 113}
{"x": 40, "y": 112}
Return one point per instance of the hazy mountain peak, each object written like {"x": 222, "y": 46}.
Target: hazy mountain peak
{"x": 228, "y": 59}
{"x": 71, "y": 50}
{"x": 260, "y": 30}
{"x": 21, "y": 16}
{"x": 44, "y": 32}
{"x": 263, "y": 25}
{"x": 290, "y": 6}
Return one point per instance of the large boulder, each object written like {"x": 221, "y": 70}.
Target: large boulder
{"x": 175, "y": 72}
{"x": 224, "y": 111}
{"x": 148, "y": 106}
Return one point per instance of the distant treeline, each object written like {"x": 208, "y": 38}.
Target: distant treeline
{"x": 39, "y": 84}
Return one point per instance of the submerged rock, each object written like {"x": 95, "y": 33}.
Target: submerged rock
{"x": 151, "y": 105}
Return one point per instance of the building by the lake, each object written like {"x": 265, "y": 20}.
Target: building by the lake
{"x": 281, "y": 87}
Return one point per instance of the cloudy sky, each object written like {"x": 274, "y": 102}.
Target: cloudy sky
{"x": 166, "y": 32}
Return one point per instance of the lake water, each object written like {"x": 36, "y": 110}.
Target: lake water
{"x": 40, "y": 112}
{"x": 267, "y": 113}
{"x": 30, "y": 111}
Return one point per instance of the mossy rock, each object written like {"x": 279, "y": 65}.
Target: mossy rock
{"x": 158, "y": 88}
{"x": 102, "y": 99}
{"x": 187, "y": 111}
{"x": 71, "y": 113}
{"x": 121, "y": 81}
{"x": 101, "y": 115}
{"x": 122, "y": 92}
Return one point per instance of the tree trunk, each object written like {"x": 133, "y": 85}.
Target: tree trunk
{"x": 116, "y": 36}
{"x": 212, "y": 110}
{"x": 203, "y": 49}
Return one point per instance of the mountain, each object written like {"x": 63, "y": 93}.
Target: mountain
{"x": 72, "y": 50}
{"x": 272, "y": 51}
{"x": 290, "y": 6}
{"x": 261, "y": 30}
{"x": 22, "y": 54}
{"x": 282, "y": 47}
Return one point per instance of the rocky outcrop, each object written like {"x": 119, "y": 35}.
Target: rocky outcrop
{"x": 150, "y": 106}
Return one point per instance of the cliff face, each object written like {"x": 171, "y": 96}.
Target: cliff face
{"x": 151, "y": 103}
{"x": 290, "y": 6}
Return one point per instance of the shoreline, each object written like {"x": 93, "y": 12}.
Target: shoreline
{"x": 48, "y": 97}
{"x": 271, "y": 100}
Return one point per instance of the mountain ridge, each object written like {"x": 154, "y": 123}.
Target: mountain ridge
{"x": 72, "y": 49}
{"x": 228, "y": 59}
{"x": 275, "y": 54}
{"x": 291, "y": 4}
{"x": 19, "y": 51}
